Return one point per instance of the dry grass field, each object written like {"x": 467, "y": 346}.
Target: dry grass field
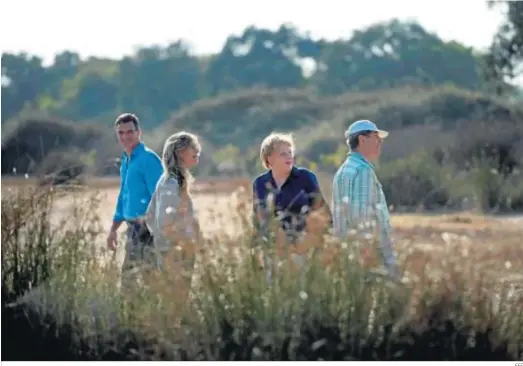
{"x": 468, "y": 255}
{"x": 421, "y": 237}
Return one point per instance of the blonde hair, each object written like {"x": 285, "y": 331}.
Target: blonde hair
{"x": 270, "y": 143}
{"x": 171, "y": 161}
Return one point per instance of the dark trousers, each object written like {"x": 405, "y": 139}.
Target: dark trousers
{"x": 139, "y": 254}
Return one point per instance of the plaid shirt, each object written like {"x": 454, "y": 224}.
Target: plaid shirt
{"x": 358, "y": 199}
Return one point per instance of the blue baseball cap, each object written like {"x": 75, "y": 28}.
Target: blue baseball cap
{"x": 364, "y": 125}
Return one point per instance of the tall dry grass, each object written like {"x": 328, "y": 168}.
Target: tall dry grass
{"x": 460, "y": 295}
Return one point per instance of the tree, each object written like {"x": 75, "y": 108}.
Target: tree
{"x": 157, "y": 81}
{"x": 260, "y": 57}
{"x": 23, "y": 79}
{"x": 92, "y": 91}
{"x": 504, "y": 59}
{"x": 391, "y": 54}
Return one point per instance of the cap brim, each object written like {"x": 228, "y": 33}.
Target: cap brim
{"x": 383, "y": 134}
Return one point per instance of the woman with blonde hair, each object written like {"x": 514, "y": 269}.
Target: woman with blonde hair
{"x": 285, "y": 192}
{"x": 170, "y": 216}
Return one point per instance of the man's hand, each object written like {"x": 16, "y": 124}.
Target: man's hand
{"x": 112, "y": 240}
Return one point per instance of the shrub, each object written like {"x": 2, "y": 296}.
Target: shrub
{"x": 30, "y": 143}
{"x": 416, "y": 182}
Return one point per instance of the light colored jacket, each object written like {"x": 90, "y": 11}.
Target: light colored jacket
{"x": 166, "y": 207}
{"x": 358, "y": 201}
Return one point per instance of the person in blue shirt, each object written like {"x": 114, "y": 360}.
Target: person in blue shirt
{"x": 140, "y": 171}
{"x": 294, "y": 191}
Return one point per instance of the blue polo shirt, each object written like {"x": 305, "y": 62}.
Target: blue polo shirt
{"x": 139, "y": 174}
{"x": 292, "y": 202}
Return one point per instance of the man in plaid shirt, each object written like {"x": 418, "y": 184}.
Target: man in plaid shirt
{"x": 358, "y": 198}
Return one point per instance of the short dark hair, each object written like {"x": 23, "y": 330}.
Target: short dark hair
{"x": 354, "y": 140}
{"x": 126, "y": 118}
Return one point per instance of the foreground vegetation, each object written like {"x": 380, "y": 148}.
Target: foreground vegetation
{"x": 460, "y": 298}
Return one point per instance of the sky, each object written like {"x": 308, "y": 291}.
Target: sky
{"x": 113, "y": 28}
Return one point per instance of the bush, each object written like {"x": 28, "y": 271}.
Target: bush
{"x": 31, "y": 142}
{"x": 334, "y": 310}
{"x": 45, "y": 257}
{"x": 416, "y": 182}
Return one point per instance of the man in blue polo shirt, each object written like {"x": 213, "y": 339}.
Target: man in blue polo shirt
{"x": 140, "y": 171}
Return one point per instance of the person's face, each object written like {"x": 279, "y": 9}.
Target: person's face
{"x": 128, "y": 135}
{"x": 370, "y": 145}
{"x": 190, "y": 157}
{"x": 282, "y": 158}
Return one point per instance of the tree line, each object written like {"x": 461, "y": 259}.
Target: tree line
{"x": 157, "y": 81}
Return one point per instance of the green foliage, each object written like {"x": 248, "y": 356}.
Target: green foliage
{"x": 392, "y": 54}
{"x": 156, "y": 81}
{"x": 416, "y": 181}
{"x": 504, "y": 60}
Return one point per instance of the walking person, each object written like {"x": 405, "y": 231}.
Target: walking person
{"x": 170, "y": 216}
{"x": 295, "y": 192}
{"x": 139, "y": 173}
{"x": 358, "y": 198}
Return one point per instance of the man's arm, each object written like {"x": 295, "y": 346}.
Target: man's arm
{"x": 365, "y": 206}
{"x": 340, "y": 205}
{"x": 118, "y": 217}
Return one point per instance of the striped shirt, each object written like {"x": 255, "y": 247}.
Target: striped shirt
{"x": 359, "y": 201}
